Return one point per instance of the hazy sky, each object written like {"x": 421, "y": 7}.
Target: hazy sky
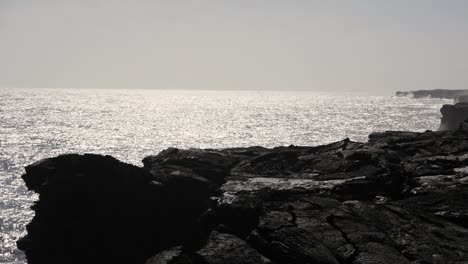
{"x": 348, "y": 45}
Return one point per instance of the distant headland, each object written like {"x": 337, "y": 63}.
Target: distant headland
{"x": 436, "y": 93}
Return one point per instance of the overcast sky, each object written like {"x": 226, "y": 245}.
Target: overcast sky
{"x": 326, "y": 45}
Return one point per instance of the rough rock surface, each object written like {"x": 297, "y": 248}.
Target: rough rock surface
{"x": 399, "y": 198}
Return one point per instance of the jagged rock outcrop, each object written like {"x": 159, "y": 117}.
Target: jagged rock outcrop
{"x": 436, "y": 93}
{"x": 95, "y": 209}
{"x": 399, "y": 198}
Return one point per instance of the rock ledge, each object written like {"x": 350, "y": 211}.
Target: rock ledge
{"x": 400, "y": 198}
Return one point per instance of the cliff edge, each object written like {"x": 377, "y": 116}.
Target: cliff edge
{"x": 453, "y": 116}
{"x": 402, "y": 197}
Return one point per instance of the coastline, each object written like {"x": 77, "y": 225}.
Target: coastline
{"x": 31, "y": 131}
{"x": 396, "y": 198}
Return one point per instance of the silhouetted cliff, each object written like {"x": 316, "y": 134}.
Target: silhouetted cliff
{"x": 453, "y": 116}
{"x": 400, "y": 198}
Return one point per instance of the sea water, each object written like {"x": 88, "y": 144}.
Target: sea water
{"x": 131, "y": 124}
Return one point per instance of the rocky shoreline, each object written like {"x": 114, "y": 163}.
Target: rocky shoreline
{"x": 402, "y": 197}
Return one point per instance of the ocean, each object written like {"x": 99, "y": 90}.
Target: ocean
{"x": 131, "y": 124}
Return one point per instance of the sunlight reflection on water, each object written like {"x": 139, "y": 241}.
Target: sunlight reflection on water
{"x": 130, "y": 124}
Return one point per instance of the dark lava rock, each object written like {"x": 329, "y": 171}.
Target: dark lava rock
{"x": 173, "y": 256}
{"x": 209, "y": 164}
{"x": 221, "y": 248}
{"x": 228, "y": 249}
{"x": 298, "y": 228}
{"x": 392, "y": 136}
{"x": 95, "y": 209}
{"x": 399, "y": 198}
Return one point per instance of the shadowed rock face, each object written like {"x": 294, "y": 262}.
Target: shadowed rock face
{"x": 95, "y": 209}
{"x": 400, "y": 198}
{"x": 436, "y": 93}
{"x": 453, "y": 116}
